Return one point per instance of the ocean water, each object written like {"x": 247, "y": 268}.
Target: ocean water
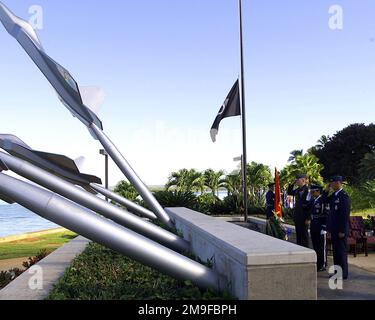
{"x": 15, "y": 220}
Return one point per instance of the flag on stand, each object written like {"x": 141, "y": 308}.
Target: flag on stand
{"x": 278, "y": 208}
{"x": 230, "y": 108}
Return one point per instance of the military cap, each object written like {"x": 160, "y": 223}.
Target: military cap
{"x": 336, "y": 179}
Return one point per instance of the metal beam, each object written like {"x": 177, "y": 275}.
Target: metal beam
{"x": 128, "y": 171}
{"x": 131, "y": 206}
{"x": 73, "y": 217}
{"x": 88, "y": 200}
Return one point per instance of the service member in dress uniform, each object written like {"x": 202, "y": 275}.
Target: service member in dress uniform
{"x": 270, "y": 201}
{"x": 318, "y": 226}
{"x": 302, "y": 217}
{"x": 338, "y": 222}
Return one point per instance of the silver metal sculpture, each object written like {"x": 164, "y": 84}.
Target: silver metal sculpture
{"x": 90, "y": 201}
{"x": 73, "y": 217}
{"x": 70, "y": 95}
{"x": 131, "y": 206}
{"x": 63, "y": 167}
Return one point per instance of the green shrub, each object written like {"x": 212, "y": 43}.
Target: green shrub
{"x": 177, "y": 199}
{"x": 127, "y": 190}
{"x": 102, "y": 274}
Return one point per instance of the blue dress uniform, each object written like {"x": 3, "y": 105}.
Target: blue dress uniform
{"x": 301, "y": 213}
{"x": 338, "y": 222}
{"x": 270, "y": 204}
{"x": 319, "y": 215}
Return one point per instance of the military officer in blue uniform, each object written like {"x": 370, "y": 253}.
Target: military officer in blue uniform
{"x": 318, "y": 226}
{"x": 338, "y": 222}
{"x": 270, "y": 201}
{"x": 302, "y": 215}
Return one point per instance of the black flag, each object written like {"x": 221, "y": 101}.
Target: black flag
{"x": 230, "y": 108}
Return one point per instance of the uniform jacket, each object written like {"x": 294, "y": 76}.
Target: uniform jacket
{"x": 302, "y": 204}
{"x": 270, "y": 203}
{"x": 338, "y": 219}
{"x": 319, "y": 213}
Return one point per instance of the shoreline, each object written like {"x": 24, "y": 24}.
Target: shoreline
{"x": 31, "y": 235}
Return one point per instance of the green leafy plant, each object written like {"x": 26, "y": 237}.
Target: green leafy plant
{"x": 102, "y": 274}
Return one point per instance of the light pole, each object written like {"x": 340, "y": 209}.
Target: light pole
{"x": 105, "y": 154}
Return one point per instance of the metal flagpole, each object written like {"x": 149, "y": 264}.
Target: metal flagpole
{"x": 243, "y": 115}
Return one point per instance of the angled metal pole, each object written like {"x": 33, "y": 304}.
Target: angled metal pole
{"x": 131, "y": 206}
{"x": 105, "y": 154}
{"x": 243, "y": 116}
{"x": 103, "y": 231}
{"x": 90, "y": 201}
{"x": 70, "y": 95}
{"x": 130, "y": 174}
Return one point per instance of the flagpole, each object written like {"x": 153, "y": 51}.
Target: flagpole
{"x": 243, "y": 115}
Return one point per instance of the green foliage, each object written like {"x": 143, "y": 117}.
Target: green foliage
{"x": 212, "y": 180}
{"x": 206, "y": 202}
{"x": 307, "y": 164}
{"x": 126, "y": 190}
{"x": 186, "y": 180}
{"x": 32, "y": 246}
{"x": 102, "y": 274}
{"x": 34, "y": 260}
{"x": 342, "y": 154}
{"x": 8, "y": 276}
{"x": 258, "y": 178}
{"x": 275, "y": 229}
{"x": 362, "y": 196}
{"x": 177, "y": 199}
{"x": 367, "y": 167}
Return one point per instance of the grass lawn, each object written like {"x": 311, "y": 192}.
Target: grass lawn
{"x": 30, "y": 247}
{"x": 364, "y": 213}
{"x": 102, "y": 274}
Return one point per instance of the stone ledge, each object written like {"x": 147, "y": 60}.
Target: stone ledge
{"x": 245, "y": 259}
{"x": 53, "y": 268}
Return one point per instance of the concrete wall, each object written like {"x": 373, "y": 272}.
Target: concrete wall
{"x": 251, "y": 264}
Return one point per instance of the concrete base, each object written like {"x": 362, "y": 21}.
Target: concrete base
{"x": 38, "y": 281}
{"x": 251, "y": 264}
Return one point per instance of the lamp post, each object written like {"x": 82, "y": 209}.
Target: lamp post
{"x": 105, "y": 154}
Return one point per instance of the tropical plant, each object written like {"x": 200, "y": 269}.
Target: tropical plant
{"x": 294, "y": 154}
{"x": 177, "y": 198}
{"x": 232, "y": 183}
{"x": 367, "y": 167}
{"x": 186, "y": 180}
{"x": 126, "y": 190}
{"x": 362, "y": 197}
{"x": 343, "y": 153}
{"x": 212, "y": 180}
{"x": 307, "y": 164}
{"x": 258, "y": 178}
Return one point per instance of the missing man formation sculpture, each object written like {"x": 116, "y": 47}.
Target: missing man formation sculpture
{"x": 69, "y": 198}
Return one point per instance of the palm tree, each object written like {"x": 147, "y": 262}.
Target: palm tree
{"x": 307, "y": 164}
{"x": 212, "y": 180}
{"x": 367, "y": 167}
{"x": 232, "y": 183}
{"x": 186, "y": 180}
{"x": 294, "y": 154}
{"x": 258, "y": 178}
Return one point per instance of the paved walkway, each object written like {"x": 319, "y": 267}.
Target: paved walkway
{"x": 359, "y": 286}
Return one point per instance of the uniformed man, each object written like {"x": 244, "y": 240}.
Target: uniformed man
{"x": 338, "y": 223}
{"x": 270, "y": 201}
{"x": 318, "y": 226}
{"x": 302, "y": 215}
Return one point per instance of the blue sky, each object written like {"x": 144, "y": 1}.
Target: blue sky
{"x": 167, "y": 65}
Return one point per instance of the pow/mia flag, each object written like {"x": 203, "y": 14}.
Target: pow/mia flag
{"x": 230, "y": 108}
